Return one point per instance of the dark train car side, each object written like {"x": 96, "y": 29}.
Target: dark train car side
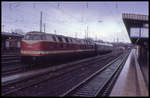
{"x": 103, "y": 48}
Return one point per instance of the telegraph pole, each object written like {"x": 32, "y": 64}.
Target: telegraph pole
{"x": 44, "y": 26}
{"x": 117, "y": 38}
{"x": 85, "y": 34}
{"x": 41, "y": 22}
{"x": 55, "y": 32}
{"x": 87, "y": 31}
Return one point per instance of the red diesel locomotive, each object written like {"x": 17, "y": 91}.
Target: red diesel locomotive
{"x": 41, "y": 47}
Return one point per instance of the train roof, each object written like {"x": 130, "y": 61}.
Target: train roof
{"x": 77, "y": 39}
{"x": 11, "y": 34}
{"x": 106, "y": 44}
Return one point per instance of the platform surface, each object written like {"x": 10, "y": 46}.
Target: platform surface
{"x": 130, "y": 81}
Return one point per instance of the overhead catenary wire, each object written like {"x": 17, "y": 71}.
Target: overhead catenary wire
{"x": 61, "y": 5}
{"x": 71, "y": 16}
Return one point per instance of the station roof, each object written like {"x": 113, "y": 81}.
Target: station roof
{"x": 137, "y": 17}
{"x": 135, "y": 20}
{"x": 11, "y": 34}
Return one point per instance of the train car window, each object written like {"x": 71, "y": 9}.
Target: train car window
{"x": 82, "y": 42}
{"x": 54, "y": 38}
{"x": 60, "y": 39}
{"x": 7, "y": 44}
{"x": 47, "y": 37}
{"x": 67, "y": 40}
{"x": 74, "y": 41}
{"x": 63, "y": 39}
{"x": 89, "y": 42}
{"x": 51, "y": 38}
{"x": 85, "y": 42}
{"x": 71, "y": 40}
{"x": 77, "y": 41}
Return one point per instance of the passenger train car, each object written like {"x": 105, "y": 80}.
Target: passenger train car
{"x": 102, "y": 48}
{"x": 41, "y": 47}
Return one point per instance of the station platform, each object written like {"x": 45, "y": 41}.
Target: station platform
{"x": 131, "y": 81}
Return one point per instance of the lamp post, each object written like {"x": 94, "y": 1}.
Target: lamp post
{"x": 3, "y": 28}
{"x": 99, "y": 21}
{"x": 41, "y": 22}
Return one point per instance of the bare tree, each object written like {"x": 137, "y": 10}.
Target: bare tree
{"x": 18, "y": 31}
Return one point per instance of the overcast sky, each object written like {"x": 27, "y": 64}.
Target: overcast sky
{"x": 103, "y": 19}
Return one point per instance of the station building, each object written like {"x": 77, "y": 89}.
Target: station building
{"x": 138, "y": 30}
{"x": 10, "y": 43}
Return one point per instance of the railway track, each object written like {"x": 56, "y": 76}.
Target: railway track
{"x": 10, "y": 59}
{"x": 53, "y": 75}
{"x": 11, "y": 64}
{"x": 12, "y": 71}
{"x": 100, "y": 82}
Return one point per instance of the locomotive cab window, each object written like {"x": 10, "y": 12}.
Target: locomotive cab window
{"x": 34, "y": 37}
{"x": 28, "y": 37}
{"x": 37, "y": 37}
